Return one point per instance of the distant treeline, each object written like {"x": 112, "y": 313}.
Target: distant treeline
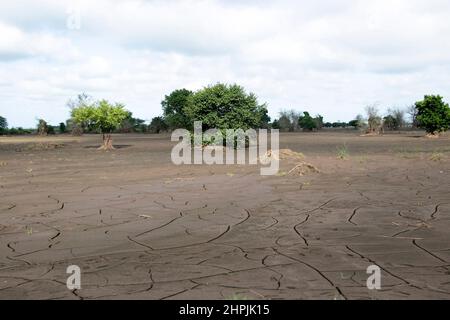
{"x": 225, "y": 106}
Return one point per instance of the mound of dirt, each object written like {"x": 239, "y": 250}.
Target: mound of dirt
{"x": 283, "y": 154}
{"x": 302, "y": 169}
{"x": 432, "y": 136}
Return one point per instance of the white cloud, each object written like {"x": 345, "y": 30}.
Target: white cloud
{"x": 330, "y": 56}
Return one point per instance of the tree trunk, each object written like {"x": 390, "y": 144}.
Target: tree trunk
{"x": 107, "y": 142}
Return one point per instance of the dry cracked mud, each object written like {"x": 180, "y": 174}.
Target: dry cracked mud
{"x": 140, "y": 227}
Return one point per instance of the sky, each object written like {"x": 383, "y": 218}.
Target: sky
{"x": 329, "y": 57}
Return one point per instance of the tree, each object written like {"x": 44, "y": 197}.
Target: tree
{"x": 174, "y": 106}
{"x": 42, "y": 128}
{"x": 306, "y": 122}
{"x": 289, "y": 120}
{"x": 102, "y": 116}
{"x": 390, "y": 122}
{"x": 399, "y": 116}
{"x": 265, "y": 118}
{"x": 62, "y": 127}
{"x": 225, "y": 106}
{"x": 373, "y": 118}
{"x": 412, "y": 112}
{"x": 82, "y": 101}
{"x": 433, "y": 114}
{"x": 319, "y": 121}
{"x": 284, "y": 123}
{"x": 157, "y": 125}
{"x": 275, "y": 125}
{"x": 3, "y": 125}
{"x": 131, "y": 124}
{"x": 354, "y": 123}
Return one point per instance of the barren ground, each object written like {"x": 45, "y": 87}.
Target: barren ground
{"x": 140, "y": 227}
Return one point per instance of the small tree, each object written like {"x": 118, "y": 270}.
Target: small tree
{"x": 42, "y": 128}
{"x": 157, "y": 125}
{"x": 62, "y": 127}
{"x": 306, "y": 122}
{"x": 289, "y": 120}
{"x": 3, "y": 125}
{"x": 102, "y": 116}
{"x": 284, "y": 123}
{"x": 412, "y": 112}
{"x": 174, "y": 106}
{"x": 373, "y": 118}
{"x": 433, "y": 114}
{"x": 319, "y": 122}
{"x": 275, "y": 124}
{"x": 390, "y": 122}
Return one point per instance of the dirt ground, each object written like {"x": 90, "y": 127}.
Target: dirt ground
{"x": 140, "y": 227}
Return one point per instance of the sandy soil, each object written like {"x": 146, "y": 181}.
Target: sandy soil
{"x": 140, "y": 227}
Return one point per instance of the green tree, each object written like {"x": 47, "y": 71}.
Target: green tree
{"x": 174, "y": 106}
{"x": 289, "y": 120}
{"x": 131, "y": 124}
{"x": 275, "y": 124}
{"x": 158, "y": 125}
{"x": 390, "y": 122}
{"x": 306, "y": 122}
{"x": 102, "y": 116}
{"x": 225, "y": 106}
{"x": 433, "y": 114}
{"x": 265, "y": 118}
{"x": 3, "y": 125}
{"x": 62, "y": 127}
{"x": 284, "y": 123}
{"x": 319, "y": 122}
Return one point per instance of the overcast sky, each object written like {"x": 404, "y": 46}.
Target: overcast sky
{"x": 331, "y": 57}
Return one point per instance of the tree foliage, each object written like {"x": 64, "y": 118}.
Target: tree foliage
{"x": 225, "y": 106}
{"x": 103, "y": 117}
{"x": 3, "y": 123}
{"x": 174, "y": 106}
{"x": 433, "y": 114}
{"x": 157, "y": 125}
{"x": 308, "y": 123}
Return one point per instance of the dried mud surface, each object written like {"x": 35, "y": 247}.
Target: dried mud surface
{"x": 142, "y": 228}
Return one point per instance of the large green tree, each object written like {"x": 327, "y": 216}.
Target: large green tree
{"x": 306, "y": 122}
{"x": 102, "y": 116}
{"x": 174, "y": 106}
{"x": 433, "y": 114}
{"x": 225, "y": 106}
